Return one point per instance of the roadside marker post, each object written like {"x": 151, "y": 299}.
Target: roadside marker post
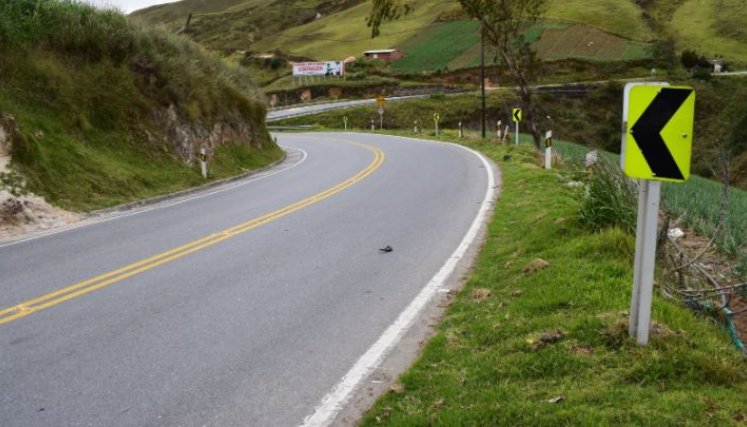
{"x": 656, "y": 146}
{"x": 436, "y": 119}
{"x": 517, "y": 119}
{"x": 461, "y": 131}
{"x": 548, "y": 150}
{"x": 416, "y": 126}
{"x": 498, "y": 130}
{"x": 373, "y": 125}
{"x": 345, "y": 120}
{"x": 203, "y": 162}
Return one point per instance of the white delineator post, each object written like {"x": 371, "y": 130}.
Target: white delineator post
{"x": 373, "y": 125}
{"x": 548, "y": 150}
{"x": 517, "y": 133}
{"x": 498, "y": 130}
{"x": 203, "y": 162}
{"x": 461, "y": 131}
{"x": 645, "y": 260}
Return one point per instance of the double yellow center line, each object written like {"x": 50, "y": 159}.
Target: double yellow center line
{"x": 43, "y": 302}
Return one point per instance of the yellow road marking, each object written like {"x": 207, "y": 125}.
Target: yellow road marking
{"x": 82, "y": 288}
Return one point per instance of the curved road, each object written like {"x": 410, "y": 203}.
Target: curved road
{"x": 246, "y": 305}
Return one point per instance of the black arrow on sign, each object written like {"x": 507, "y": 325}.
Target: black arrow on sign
{"x": 517, "y": 115}
{"x": 647, "y": 132}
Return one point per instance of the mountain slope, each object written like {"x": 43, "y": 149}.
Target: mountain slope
{"x": 712, "y": 27}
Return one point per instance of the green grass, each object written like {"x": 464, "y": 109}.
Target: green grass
{"x": 713, "y": 27}
{"x": 89, "y": 92}
{"x": 589, "y": 43}
{"x": 345, "y": 33}
{"x": 622, "y": 18}
{"x": 484, "y": 366}
{"x": 437, "y": 46}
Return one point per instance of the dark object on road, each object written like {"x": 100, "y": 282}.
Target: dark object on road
{"x": 386, "y": 250}
{"x": 507, "y": 157}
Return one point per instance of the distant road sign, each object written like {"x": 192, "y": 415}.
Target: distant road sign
{"x": 381, "y": 111}
{"x": 517, "y": 115}
{"x": 659, "y": 132}
{"x": 436, "y": 117}
{"x": 380, "y": 101}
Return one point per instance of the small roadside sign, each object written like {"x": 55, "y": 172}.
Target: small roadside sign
{"x": 380, "y": 101}
{"x": 381, "y": 111}
{"x": 516, "y": 115}
{"x": 659, "y": 132}
{"x": 436, "y": 117}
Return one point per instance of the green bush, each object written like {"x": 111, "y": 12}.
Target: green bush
{"x": 610, "y": 199}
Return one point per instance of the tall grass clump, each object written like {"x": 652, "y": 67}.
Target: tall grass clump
{"x": 610, "y": 199}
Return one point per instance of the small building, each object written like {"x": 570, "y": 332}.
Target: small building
{"x": 384, "y": 54}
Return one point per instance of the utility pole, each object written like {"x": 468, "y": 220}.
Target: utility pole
{"x": 482, "y": 73}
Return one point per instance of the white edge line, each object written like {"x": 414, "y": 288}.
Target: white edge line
{"x": 161, "y": 205}
{"x": 334, "y": 401}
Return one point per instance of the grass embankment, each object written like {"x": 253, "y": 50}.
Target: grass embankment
{"x": 522, "y": 333}
{"x": 108, "y": 112}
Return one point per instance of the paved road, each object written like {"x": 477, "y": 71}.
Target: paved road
{"x": 306, "y": 110}
{"x": 245, "y": 306}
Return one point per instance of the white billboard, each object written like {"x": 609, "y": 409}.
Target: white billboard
{"x": 328, "y": 68}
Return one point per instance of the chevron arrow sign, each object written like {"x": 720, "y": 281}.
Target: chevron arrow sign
{"x": 659, "y": 132}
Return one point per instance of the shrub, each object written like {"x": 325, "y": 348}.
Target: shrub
{"x": 611, "y": 199}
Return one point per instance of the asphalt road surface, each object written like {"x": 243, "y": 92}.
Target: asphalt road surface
{"x": 242, "y": 306}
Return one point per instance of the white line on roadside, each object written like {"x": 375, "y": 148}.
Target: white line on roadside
{"x": 334, "y": 401}
{"x": 160, "y": 205}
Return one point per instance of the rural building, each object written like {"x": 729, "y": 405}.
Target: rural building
{"x": 384, "y": 54}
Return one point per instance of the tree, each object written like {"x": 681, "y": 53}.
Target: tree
{"x": 503, "y": 23}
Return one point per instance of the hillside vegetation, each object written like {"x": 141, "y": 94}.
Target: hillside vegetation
{"x": 100, "y": 111}
{"x": 596, "y": 30}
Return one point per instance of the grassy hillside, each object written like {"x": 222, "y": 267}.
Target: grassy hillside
{"x": 715, "y": 27}
{"x": 346, "y": 34}
{"x": 239, "y": 24}
{"x": 101, "y": 111}
{"x": 596, "y": 30}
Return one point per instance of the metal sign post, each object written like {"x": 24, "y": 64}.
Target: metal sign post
{"x": 645, "y": 260}
{"x": 656, "y": 146}
{"x": 381, "y": 119}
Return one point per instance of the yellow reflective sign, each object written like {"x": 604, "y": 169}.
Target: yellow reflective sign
{"x": 659, "y": 133}
{"x": 516, "y": 115}
{"x": 380, "y": 101}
